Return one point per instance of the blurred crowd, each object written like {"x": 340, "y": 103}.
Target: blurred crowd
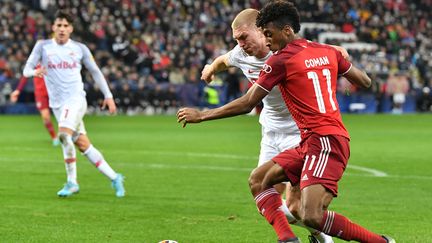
{"x": 152, "y": 51}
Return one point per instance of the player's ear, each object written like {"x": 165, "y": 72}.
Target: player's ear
{"x": 288, "y": 30}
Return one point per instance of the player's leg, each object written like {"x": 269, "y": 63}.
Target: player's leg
{"x": 68, "y": 118}
{"x": 69, "y": 155}
{"x": 291, "y": 208}
{"x": 43, "y": 107}
{"x": 325, "y": 162}
{"x": 268, "y": 200}
{"x": 292, "y": 200}
{"x": 293, "y": 195}
{"x": 46, "y": 119}
{"x": 97, "y": 159}
{"x": 94, "y": 156}
{"x": 315, "y": 201}
{"x": 271, "y": 145}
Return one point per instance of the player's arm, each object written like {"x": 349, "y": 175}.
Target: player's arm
{"x": 15, "y": 94}
{"x": 353, "y": 74}
{"x": 272, "y": 74}
{"x": 358, "y": 77}
{"x": 218, "y": 65}
{"x": 342, "y": 50}
{"x": 99, "y": 79}
{"x": 242, "y": 105}
{"x": 30, "y": 69}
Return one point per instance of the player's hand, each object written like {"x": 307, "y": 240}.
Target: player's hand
{"x": 207, "y": 74}
{"x": 342, "y": 50}
{"x": 40, "y": 72}
{"x": 14, "y": 96}
{"x": 188, "y": 115}
{"x": 111, "y": 105}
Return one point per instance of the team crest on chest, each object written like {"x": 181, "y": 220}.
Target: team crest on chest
{"x": 267, "y": 68}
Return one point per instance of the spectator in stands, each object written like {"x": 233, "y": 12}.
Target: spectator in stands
{"x": 94, "y": 98}
{"x": 177, "y": 76}
{"x": 232, "y": 81}
{"x": 147, "y": 29}
{"x": 424, "y": 101}
{"x": 397, "y": 88}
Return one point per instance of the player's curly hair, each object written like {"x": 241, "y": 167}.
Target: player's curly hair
{"x": 64, "y": 14}
{"x": 281, "y": 13}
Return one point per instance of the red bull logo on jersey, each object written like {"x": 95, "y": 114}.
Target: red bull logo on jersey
{"x": 62, "y": 65}
{"x": 319, "y": 61}
{"x": 267, "y": 68}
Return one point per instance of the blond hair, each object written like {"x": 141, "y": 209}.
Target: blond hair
{"x": 246, "y": 17}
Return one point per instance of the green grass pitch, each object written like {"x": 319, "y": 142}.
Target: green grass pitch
{"x": 190, "y": 184}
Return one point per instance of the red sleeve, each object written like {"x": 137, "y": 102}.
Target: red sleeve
{"x": 21, "y": 83}
{"x": 343, "y": 64}
{"x": 272, "y": 73}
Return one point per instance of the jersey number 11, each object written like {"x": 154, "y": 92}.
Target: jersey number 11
{"x": 318, "y": 93}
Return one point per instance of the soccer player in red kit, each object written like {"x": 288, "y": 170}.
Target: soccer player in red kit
{"x": 41, "y": 99}
{"x": 306, "y": 73}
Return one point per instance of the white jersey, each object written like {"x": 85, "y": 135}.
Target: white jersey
{"x": 275, "y": 115}
{"x": 63, "y": 64}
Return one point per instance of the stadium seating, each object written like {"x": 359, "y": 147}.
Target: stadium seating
{"x": 141, "y": 43}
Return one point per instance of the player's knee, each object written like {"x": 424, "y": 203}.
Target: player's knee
{"x": 75, "y": 137}
{"x": 65, "y": 138}
{"x": 83, "y": 143}
{"x": 280, "y": 188}
{"x": 46, "y": 120}
{"x": 255, "y": 182}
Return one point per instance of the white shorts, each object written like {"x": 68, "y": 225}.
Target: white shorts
{"x": 399, "y": 98}
{"x": 272, "y": 143}
{"x": 71, "y": 114}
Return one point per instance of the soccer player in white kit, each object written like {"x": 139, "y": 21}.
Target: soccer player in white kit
{"x": 279, "y": 131}
{"x": 61, "y": 59}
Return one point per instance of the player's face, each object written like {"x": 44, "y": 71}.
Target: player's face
{"x": 62, "y": 30}
{"x": 275, "y": 37}
{"x": 249, "y": 38}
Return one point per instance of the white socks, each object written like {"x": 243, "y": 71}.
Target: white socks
{"x": 92, "y": 154}
{"x": 71, "y": 172}
{"x": 69, "y": 155}
{"x": 95, "y": 157}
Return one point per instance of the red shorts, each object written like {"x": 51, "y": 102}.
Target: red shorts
{"x": 317, "y": 160}
{"x": 42, "y": 102}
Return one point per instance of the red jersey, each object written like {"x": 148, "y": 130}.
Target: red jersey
{"x": 306, "y": 73}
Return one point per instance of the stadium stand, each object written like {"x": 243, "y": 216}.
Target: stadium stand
{"x": 152, "y": 52}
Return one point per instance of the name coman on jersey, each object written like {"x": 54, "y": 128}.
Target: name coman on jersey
{"x": 314, "y": 62}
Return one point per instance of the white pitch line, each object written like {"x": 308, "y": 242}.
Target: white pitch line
{"x": 198, "y": 167}
{"x": 139, "y": 151}
{"x": 370, "y": 172}
{"x": 374, "y": 172}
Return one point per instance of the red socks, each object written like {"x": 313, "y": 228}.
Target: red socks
{"x": 337, "y": 225}
{"x": 268, "y": 203}
{"x": 49, "y": 126}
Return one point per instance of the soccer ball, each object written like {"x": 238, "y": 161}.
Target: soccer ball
{"x": 168, "y": 241}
